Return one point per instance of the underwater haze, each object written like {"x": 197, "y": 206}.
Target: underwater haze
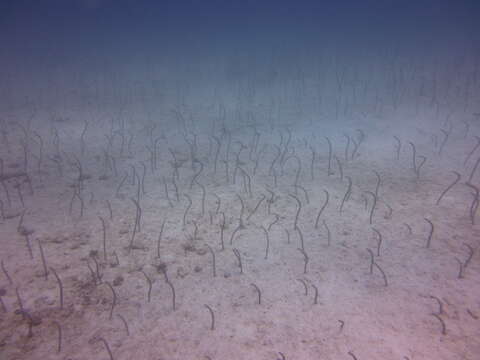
{"x": 242, "y": 180}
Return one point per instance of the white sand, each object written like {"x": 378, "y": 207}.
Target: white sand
{"x": 379, "y": 322}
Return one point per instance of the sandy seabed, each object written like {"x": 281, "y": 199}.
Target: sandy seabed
{"x": 206, "y": 233}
